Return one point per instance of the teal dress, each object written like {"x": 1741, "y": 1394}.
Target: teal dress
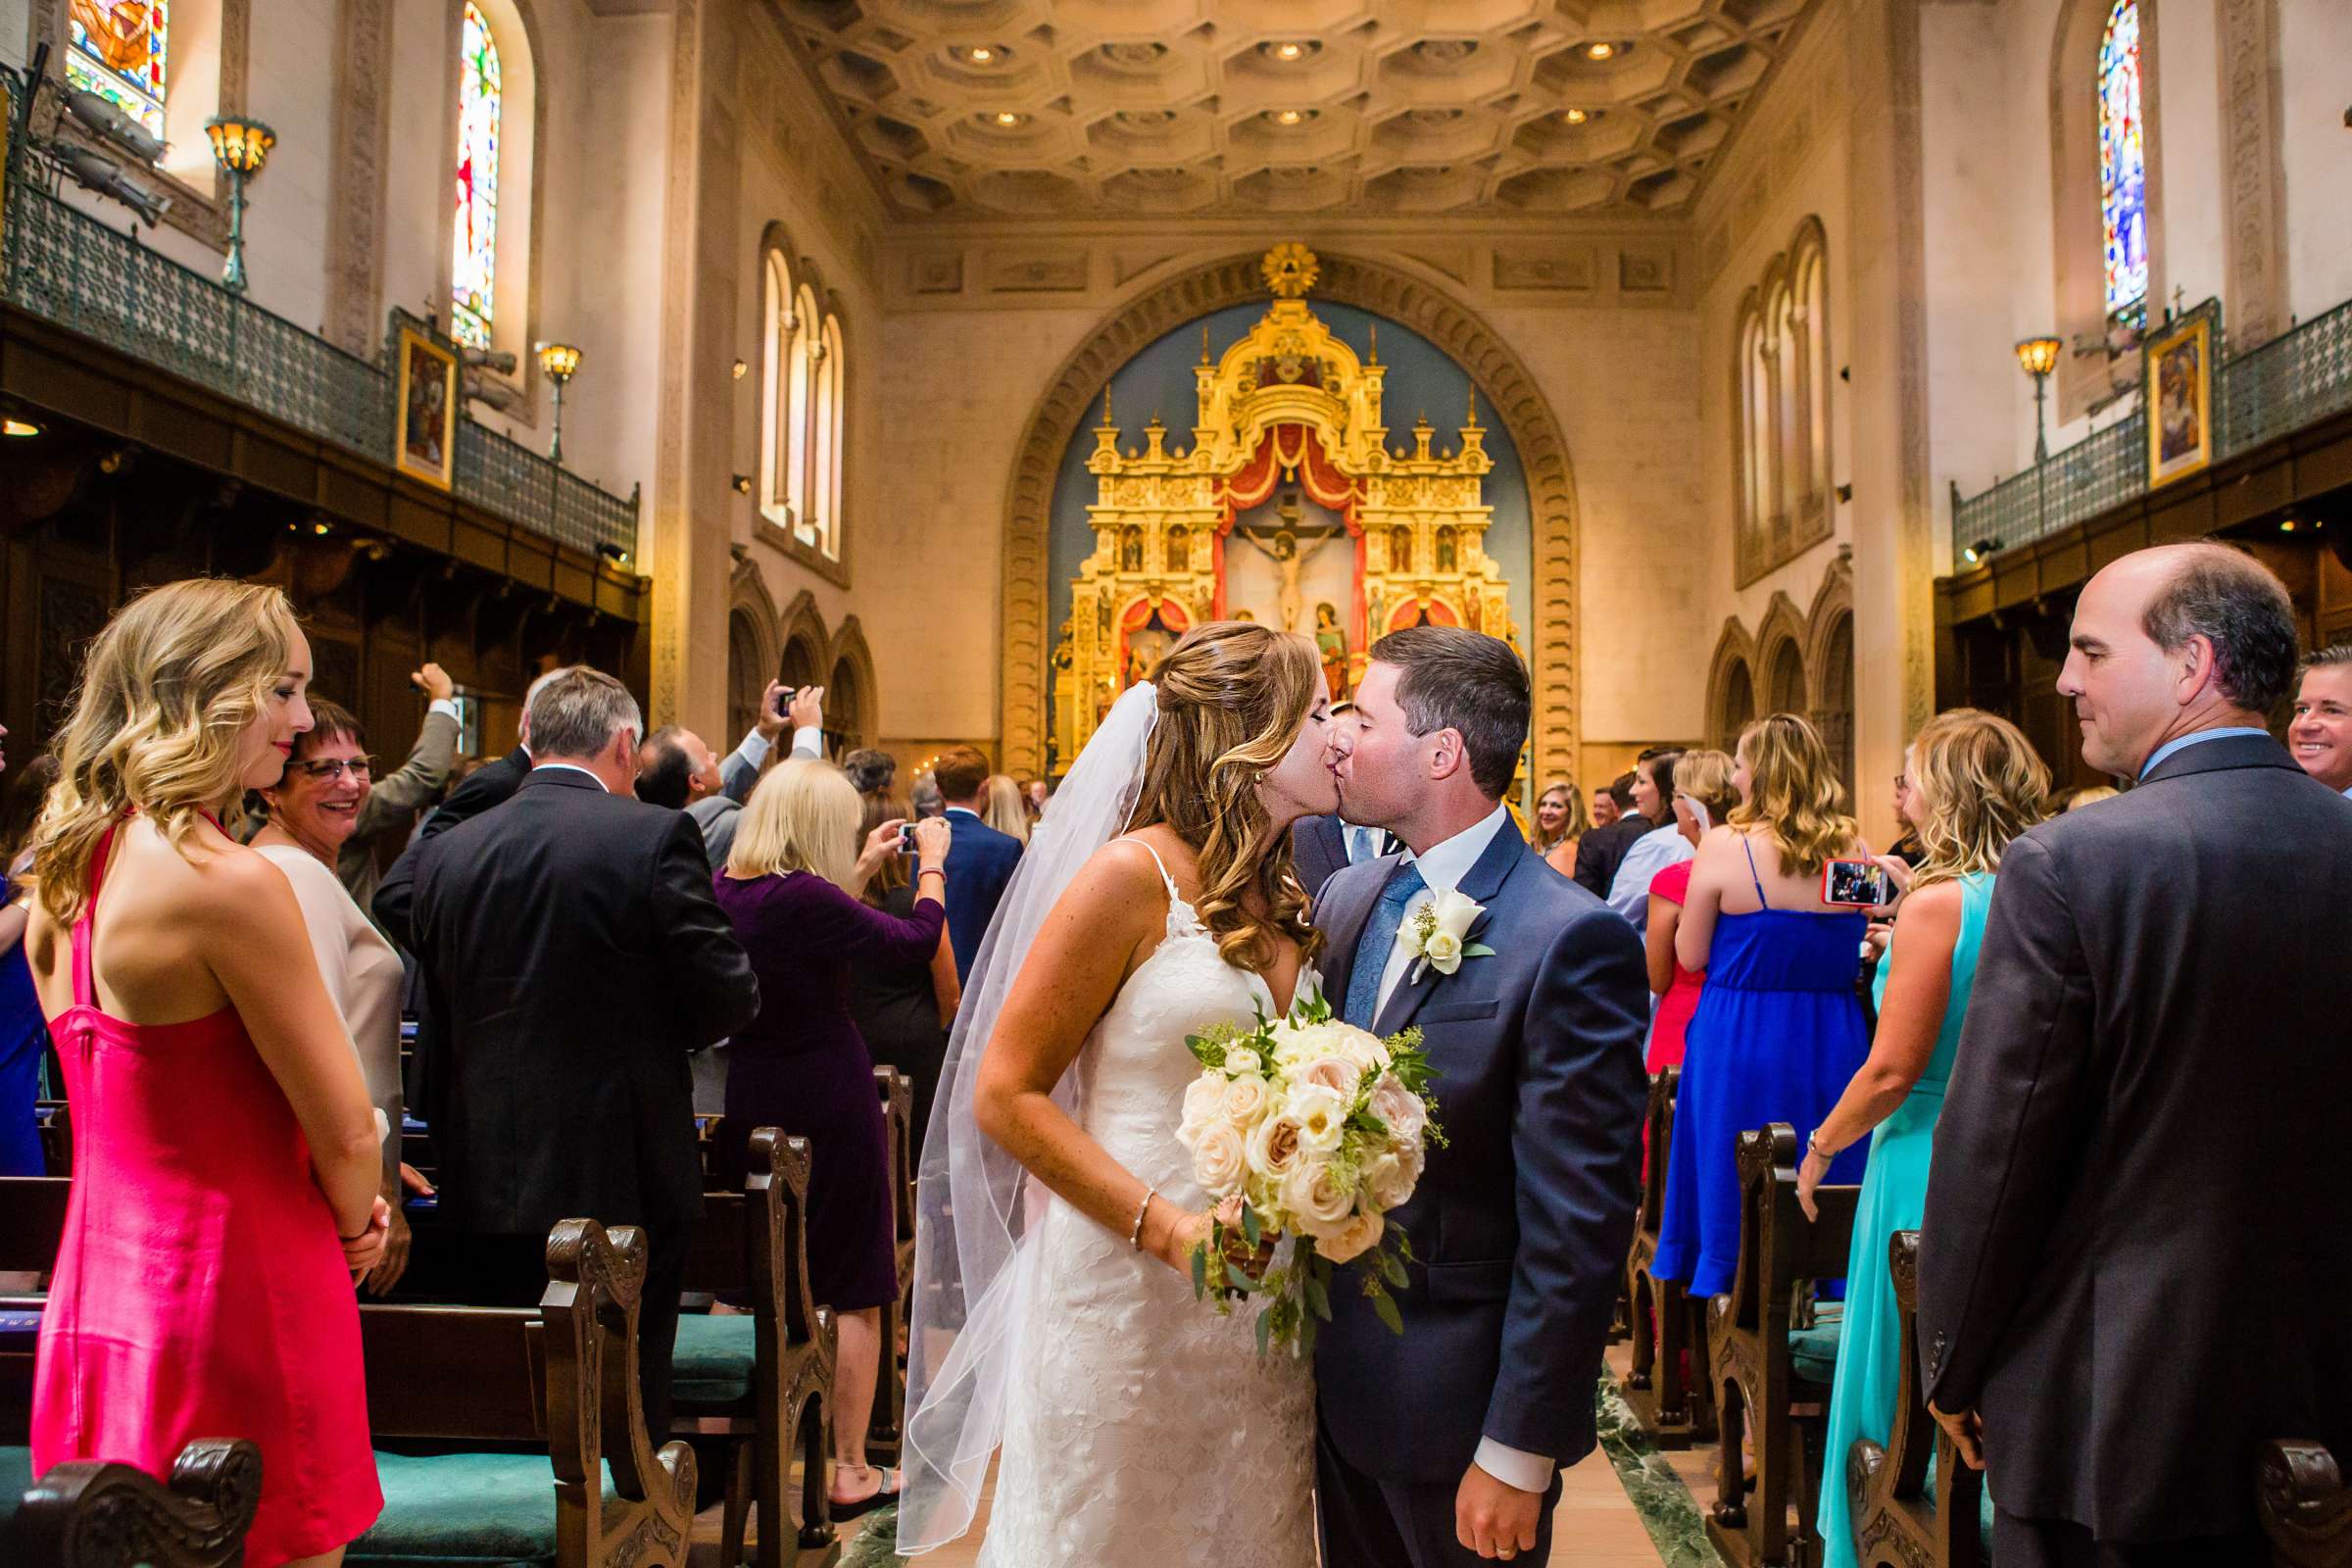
{"x": 1894, "y": 1197}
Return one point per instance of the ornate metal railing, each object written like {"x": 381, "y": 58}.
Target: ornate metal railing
{"x": 2298, "y": 376}
{"x": 62, "y": 265}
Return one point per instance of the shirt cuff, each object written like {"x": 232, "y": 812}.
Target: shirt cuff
{"x": 444, "y": 705}
{"x": 1529, "y": 1472}
{"x": 754, "y": 749}
{"x": 809, "y": 740}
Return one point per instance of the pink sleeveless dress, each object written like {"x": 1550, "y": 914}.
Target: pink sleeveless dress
{"x": 200, "y": 1291}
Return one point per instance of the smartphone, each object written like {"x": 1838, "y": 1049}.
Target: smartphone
{"x": 906, "y": 837}
{"x": 1854, "y": 883}
{"x": 784, "y": 699}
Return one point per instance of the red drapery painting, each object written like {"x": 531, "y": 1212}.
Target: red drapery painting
{"x": 1297, "y": 451}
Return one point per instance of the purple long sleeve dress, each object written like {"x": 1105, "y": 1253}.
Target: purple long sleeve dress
{"x": 801, "y": 1065}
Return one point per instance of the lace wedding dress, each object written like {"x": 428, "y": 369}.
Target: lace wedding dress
{"x": 1140, "y": 1426}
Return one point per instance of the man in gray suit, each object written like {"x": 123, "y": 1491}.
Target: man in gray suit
{"x": 2133, "y": 1268}
{"x": 676, "y": 769}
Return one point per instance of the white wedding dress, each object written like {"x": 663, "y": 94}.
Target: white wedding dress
{"x": 1141, "y": 1426}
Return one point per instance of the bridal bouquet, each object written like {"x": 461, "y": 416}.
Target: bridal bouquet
{"x": 1320, "y": 1129}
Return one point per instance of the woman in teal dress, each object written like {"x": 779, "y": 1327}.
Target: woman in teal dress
{"x": 1981, "y": 785}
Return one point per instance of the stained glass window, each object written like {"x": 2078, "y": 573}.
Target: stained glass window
{"x": 117, "y": 49}
{"x": 475, "y": 271}
{"x": 2122, "y": 160}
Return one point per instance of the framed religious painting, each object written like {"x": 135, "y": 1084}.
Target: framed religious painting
{"x": 425, "y": 396}
{"x": 2176, "y": 390}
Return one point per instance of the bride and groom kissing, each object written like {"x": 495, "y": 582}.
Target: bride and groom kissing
{"x": 1056, "y": 1324}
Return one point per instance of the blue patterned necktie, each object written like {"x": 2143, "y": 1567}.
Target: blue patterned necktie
{"x": 1379, "y": 937}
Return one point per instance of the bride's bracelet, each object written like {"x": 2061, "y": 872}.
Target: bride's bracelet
{"x": 1135, "y": 1236}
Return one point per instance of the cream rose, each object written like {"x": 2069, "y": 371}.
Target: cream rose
{"x": 1203, "y": 1103}
{"x": 1399, "y": 1110}
{"x": 1273, "y": 1146}
{"x": 1353, "y": 1239}
{"x": 1444, "y": 951}
{"x": 1321, "y": 1114}
{"x": 1218, "y": 1160}
{"x": 1241, "y": 1059}
{"x": 1362, "y": 1049}
{"x": 1247, "y": 1101}
{"x": 1334, "y": 1073}
{"x": 1389, "y": 1182}
{"x": 1313, "y": 1194}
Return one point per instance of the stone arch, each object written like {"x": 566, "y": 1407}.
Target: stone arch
{"x": 1781, "y": 659}
{"x": 800, "y": 659}
{"x": 1386, "y": 290}
{"x": 1830, "y": 656}
{"x": 1730, "y": 684}
{"x": 755, "y": 644}
{"x": 851, "y": 689}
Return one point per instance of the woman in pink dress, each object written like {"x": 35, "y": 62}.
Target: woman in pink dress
{"x": 225, "y": 1176}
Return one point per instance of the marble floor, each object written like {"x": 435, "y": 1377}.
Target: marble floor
{"x": 1625, "y": 1506}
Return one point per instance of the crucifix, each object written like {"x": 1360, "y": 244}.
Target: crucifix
{"x": 1285, "y": 551}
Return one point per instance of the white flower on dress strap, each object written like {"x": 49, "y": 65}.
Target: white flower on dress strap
{"x": 1438, "y": 936}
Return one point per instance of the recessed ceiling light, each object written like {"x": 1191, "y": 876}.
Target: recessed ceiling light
{"x": 1602, "y": 49}
{"x": 1576, "y": 117}
{"x": 19, "y": 427}
{"x": 1005, "y": 116}
{"x": 1289, "y": 51}
{"x": 1287, "y": 117}
{"x": 980, "y": 57}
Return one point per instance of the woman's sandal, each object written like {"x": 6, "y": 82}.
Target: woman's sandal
{"x": 876, "y": 1498}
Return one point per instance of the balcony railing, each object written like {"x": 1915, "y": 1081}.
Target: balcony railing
{"x": 59, "y": 262}
{"x": 2296, "y": 377}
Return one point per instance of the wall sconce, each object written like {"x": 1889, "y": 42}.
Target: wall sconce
{"x": 1980, "y": 551}
{"x": 615, "y": 554}
{"x": 19, "y": 427}
{"x": 742, "y": 483}
{"x": 1845, "y": 492}
{"x": 240, "y": 146}
{"x": 561, "y": 362}
{"x": 2038, "y": 357}
{"x": 739, "y": 370}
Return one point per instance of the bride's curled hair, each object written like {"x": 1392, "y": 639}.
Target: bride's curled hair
{"x": 1233, "y": 696}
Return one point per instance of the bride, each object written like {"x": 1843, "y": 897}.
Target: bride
{"x": 1055, "y": 1311}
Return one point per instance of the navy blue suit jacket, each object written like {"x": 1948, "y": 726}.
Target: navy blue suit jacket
{"x": 980, "y": 862}
{"x": 1521, "y": 1224}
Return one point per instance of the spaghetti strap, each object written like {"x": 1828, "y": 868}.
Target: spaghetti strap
{"x": 1748, "y": 846}
{"x": 85, "y": 990}
{"x": 1174, "y": 897}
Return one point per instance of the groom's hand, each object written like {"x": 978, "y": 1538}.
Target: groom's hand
{"x": 1496, "y": 1520}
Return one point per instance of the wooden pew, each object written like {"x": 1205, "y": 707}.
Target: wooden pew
{"x": 1747, "y": 1347}
{"x": 707, "y": 1128}
{"x": 2305, "y": 1506}
{"x": 764, "y": 1380}
{"x": 56, "y": 1126}
{"x": 1897, "y": 1523}
{"x": 86, "y": 1514}
{"x": 1668, "y": 1388}
{"x": 883, "y": 1431}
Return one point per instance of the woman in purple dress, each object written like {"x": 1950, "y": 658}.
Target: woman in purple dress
{"x": 791, "y": 886}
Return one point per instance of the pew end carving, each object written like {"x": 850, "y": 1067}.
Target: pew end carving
{"x": 1667, "y": 1389}
{"x": 1897, "y": 1523}
{"x": 90, "y": 1514}
{"x": 2305, "y": 1506}
{"x": 884, "y": 1431}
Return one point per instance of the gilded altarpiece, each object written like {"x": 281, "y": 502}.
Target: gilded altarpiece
{"x": 1289, "y": 461}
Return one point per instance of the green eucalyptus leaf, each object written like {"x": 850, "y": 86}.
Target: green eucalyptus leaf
{"x": 1250, "y": 1229}
{"x": 1385, "y": 1306}
{"x": 1200, "y": 1272}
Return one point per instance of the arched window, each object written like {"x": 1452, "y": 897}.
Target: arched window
{"x": 2123, "y": 163}
{"x": 121, "y": 52}
{"x": 1780, "y": 409}
{"x": 782, "y": 391}
{"x": 825, "y": 484}
{"x": 482, "y": 101}
{"x": 807, "y": 338}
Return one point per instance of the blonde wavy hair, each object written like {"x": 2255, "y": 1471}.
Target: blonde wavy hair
{"x": 1794, "y": 794}
{"x": 1001, "y": 807}
{"x": 1705, "y": 775}
{"x": 1983, "y": 783}
{"x": 803, "y": 816}
{"x": 1232, "y": 696}
{"x": 166, "y": 692}
{"x": 1579, "y": 822}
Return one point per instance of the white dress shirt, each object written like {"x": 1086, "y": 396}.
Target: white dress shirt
{"x": 1653, "y": 852}
{"x": 575, "y": 768}
{"x": 808, "y": 740}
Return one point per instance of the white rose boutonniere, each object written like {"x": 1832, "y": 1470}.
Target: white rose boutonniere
{"x": 1438, "y": 936}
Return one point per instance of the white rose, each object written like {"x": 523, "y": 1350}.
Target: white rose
{"x": 1321, "y": 1114}
{"x": 1203, "y": 1103}
{"x": 1247, "y": 1100}
{"x": 1218, "y": 1160}
{"x": 1312, "y": 1195}
{"x": 1353, "y": 1239}
{"x": 1273, "y": 1146}
{"x": 1339, "y": 1074}
{"x": 1444, "y": 951}
{"x": 1364, "y": 1049}
{"x": 1453, "y": 914}
{"x": 1388, "y": 1182}
{"x": 1243, "y": 1059}
{"x": 1400, "y": 1110}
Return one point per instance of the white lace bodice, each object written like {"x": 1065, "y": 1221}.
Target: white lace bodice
{"x": 1140, "y": 1425}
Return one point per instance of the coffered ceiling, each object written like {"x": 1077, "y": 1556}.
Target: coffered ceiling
{"x": 967, "y": 108}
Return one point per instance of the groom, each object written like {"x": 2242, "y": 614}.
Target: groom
{"x": 1443, "y": 1445}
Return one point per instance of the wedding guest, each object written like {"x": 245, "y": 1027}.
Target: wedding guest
{"x": 780, "y": 706}
{"x": 388, "y": 807}
{"x": 1606, "y": 804}
{"x": 1704, "y": 795}
{"x": 1323, "y": 844}
{"x": 223, "y": 1138}
{"x": 1777, "y": 1030}
{"x": 2321, "y": 733}
{"x": 2132, "y": 1270}
{"x": 1600, "y": 851}
{"x": 985, "y": 859}
{"x": 492, "y": 784}
{"x": 24, "y": 1032}
{"x": 1005, "y": 810}
{"x": 1661, "y": 847}
{"x": 312, "y": 812}
{"x": 925, "y": 798}
{"x": 1559, "y": 823}
{"x": 791, "y": 889}
{"x": 871, "y": 772}
{"x": 1976, "y": 784}
{"x": 1040, "y": 791}
{"x": 574, "y": 956}
{"x": 904, "y": 1008}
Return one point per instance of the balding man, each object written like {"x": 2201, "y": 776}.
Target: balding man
{"x": 2132, "y": 1267}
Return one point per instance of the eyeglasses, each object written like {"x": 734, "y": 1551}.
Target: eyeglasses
{"x": 325, "y": 769}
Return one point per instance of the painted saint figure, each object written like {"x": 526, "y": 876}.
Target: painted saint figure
{"x": 1330, "y": 641}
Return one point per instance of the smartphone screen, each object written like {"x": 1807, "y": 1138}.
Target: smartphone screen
{"x": 1854, "y": 883}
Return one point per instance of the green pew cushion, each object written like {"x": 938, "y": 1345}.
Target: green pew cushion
{"x": 16, "y": 1480}
{"x": 1813, "y": 1352}
{"x": 1926, "y": 1492}
{"x": 713, "y": 1363}
{"x": 464, "y": 1510}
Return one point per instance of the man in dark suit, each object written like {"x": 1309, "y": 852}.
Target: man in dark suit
{"x": 1323, "y": 845}
{"x": 980, "y": 861}
{"x": 574, "y": 955}
{"x": 1444, "y": 1444}
{"x": 1600, "y": 852}
{"x": 491, "y": 784}
{"x": 2132, "y": 1269}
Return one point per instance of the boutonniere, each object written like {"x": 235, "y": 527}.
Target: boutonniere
{"x": 1438, "y": 936}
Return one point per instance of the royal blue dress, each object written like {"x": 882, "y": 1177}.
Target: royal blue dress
{"x": 24, "y": 1037}
{"x": 1778, "y": 1033}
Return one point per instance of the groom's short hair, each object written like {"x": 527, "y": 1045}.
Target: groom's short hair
{"x": 1451, "y": 679}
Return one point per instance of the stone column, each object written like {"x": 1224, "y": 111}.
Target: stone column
{"x": 2254, "y": 236}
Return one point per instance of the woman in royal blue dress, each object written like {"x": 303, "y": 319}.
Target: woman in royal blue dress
{"x": 1976, "y": 784}
{"x": 1779, "y": 1028}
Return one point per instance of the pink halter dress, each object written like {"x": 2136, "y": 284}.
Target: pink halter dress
{"x": 200, "y": 1291}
